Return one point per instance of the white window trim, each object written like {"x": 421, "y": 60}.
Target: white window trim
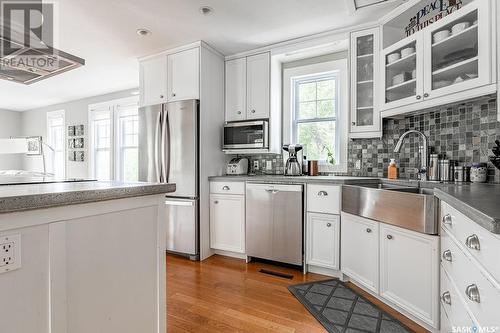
{"x": 342, "y": 116}
{"x": 57, "y": 114}
{"x": 113, "y": 107}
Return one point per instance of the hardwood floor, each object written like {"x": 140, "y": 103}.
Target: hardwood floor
{"x": 224, "y": 294}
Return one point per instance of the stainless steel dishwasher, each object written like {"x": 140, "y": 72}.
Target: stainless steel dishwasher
{"x": 274, "y": 222}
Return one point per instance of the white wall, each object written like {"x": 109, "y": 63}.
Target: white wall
{"x": 10, "y": 125}
{"x": 34, "y": 122}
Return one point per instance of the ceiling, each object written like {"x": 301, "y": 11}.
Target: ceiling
{"x": 104, "y": 34}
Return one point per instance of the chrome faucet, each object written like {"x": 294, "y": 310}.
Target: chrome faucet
{"x": 423, "y": 149}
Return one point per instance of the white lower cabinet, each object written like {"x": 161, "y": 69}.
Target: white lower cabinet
{"x": 359, "y": 250}
{"x": 323, "y": 240}
{"x": 399, "y": 266}
{"x": 227, "y": 222}
{"x": 409, "y": 266}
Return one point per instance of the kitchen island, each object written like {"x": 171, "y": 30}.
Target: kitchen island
{"x": 83, "y": 257}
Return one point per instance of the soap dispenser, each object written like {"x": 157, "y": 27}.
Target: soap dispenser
{"x": 392, "y": 171}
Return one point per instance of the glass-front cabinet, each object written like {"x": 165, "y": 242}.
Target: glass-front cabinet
{"x": 402, "y": 72}
{"x": 450, "y": 56}
{"x": 458, "y": 49}
{"x": 365, "y": 112}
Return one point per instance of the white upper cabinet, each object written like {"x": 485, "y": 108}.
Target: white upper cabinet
{"x": 248, "y": 87}
{"x": 236, "y": 89}
{"x": 462, "y": 60}
{"x": 434, "y": 65}
{"x": 258, "y": 86}
{"x": 365, "y": 112}
{"x": 153, "y": 81}
{"x": 184, "y": 75}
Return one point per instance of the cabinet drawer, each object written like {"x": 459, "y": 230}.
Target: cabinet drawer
{"x": 470, "y": 279}
{"x": 463, "y": 228}
{"x": 227, "y": 187}
{"x": 452, "y": 305}
{"x": 323, "y": 199}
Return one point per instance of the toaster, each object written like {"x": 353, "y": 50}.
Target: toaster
{"x": 237, "y": 166}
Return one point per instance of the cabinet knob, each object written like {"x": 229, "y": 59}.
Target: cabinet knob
{"x": 353, "y": 123}
{"x": 216, "y": 202}
{"x": 426, "y": 95}
{"x": 446, "y": 297}
{"x": 253, "y": 111}
{"x": 447, "y": 219}
{"x": 368, "y": 230}
{"x": 239, "y": 112}
{"x": 322, "y": 194}
{"x": 419, "y": 97}
{"x": 328, "y": 224}
{"x": 173, "y": 94}
{"x": 472, "y": 293}
{"x": 389, "y": 237}
{"x": 472, "y": 242}
{"x": 161, "y": 96}
{"x": 447, "y": 255}
{"x": 226, "y": 188}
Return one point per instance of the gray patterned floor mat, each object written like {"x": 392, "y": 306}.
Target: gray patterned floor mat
{"x": 341, "y": 310}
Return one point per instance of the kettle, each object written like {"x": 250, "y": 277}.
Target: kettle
{"x": 293, "y": 166}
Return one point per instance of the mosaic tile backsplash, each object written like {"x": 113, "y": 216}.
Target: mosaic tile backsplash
{"x": 463, "y": 132}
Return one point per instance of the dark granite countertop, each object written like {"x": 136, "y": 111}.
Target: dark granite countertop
{"x": 479, "y": 202}
{"x": 297, "y": 179}
{"x": 34, "y": 196}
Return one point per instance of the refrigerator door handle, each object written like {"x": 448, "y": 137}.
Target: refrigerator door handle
{"x": 165, "y": 144}
{"x": 156, "y": 148}
{"x": 178, "y": 203}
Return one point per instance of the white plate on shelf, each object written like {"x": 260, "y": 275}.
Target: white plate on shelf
{"x": 407, "y": 51}
{"x": 459, "y": 27}
{"x": 393, "y": 57}
{"x": 440, "y": 35}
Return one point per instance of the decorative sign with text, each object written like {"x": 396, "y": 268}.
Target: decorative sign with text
{"x": 432, "y": 12}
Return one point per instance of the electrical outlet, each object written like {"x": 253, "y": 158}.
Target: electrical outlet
{"x": 10, "y": 253}
{"x": 358, "y": 165}
{"x": 256, "y": 165}
{"x": 269, "y": 165}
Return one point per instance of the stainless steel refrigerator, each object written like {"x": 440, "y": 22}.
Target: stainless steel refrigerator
{"x": 169, "y": 153}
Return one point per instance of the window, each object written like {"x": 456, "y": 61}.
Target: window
{"x": 55, "y": 139}
{"x": 114, "y": 140}
{"x": 314, "y": 118}
{"x": 316, "y": 113}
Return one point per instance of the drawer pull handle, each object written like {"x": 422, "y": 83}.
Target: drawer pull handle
{"x": 216, "y": 202}
{"x": 472, "y": 293}
{"x": 368, "y": 230}
{"x": 389, "y": 237}
{"x": 447, "y": 219}
{"x": 472, "y": 242}
{"x": 446, "y": 297}
{"x": 272, "y": 191}
{"x": 447, "y": 255}
{"x": 226, "y": 188}
{"x": 328, "y": 225}
{"x": 322, "y": 194}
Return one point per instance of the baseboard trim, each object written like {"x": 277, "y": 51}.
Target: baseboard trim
{"x": 231, "y": 254}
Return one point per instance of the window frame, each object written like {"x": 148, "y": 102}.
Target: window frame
{"x": 296, "y": 81}
{"x": 121, "y": 110}
{"x": 50, "y": 115}
{"x": 342, "y": 112}
{"x": 114, "y": 108}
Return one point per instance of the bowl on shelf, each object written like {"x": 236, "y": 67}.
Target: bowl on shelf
{"x": 400, "y": 78}
{"x": 407, "y": 51}
{"x": 440, "y": 35}
{"x": 459, "y": 27}
{"x": 442, "y": 84}
{"x": 393, "y": 57}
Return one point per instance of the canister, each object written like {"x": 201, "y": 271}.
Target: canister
{"x": 459, "y": 175}
{"x": 444, "y": 170}
{"x": 478, "y": 173}
{"x": 433, "y": 167}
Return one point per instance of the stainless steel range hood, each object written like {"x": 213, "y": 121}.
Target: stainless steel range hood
{"x": 35, "y": 62}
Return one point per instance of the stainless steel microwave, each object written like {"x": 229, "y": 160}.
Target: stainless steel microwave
{"x": 246, "y": 135}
